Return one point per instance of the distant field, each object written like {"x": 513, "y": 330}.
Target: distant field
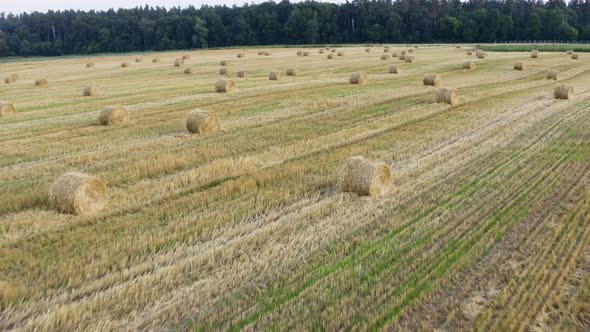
{"x": 487, "y": 226}
{"x": 540, "y": 47}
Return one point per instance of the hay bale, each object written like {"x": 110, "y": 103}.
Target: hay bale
{"x": 78, "y": 193}
{"x": 469, "y": 53}
{"x": 292, "y": 72}
{"x": 91, "y": 91}
{"x": 402, "y": 57}
{"x": 224, "y": 71}
{"x": 409, "y": 58}
{"x": 299, "y": 53}
{"x": 367, "y": 50}
{"x": 562, "y": 91}
{"x": 446, "y": 96}
{"x": 321, "y": 51}
{"x": 575, "y": 57}
{"x": 241, "y": 55}
{"x": 124, "y": 64}
{"x": 457, "y": 47}
{"x": 358, "y": 78}
{"x": 156, "y": 60}
{"x": 333, "y": 50}
{"x": 225, "y": 86}
{"x": 394, "y": 54}
{"x": 113, "y": 115}
{"x": 411, "y": 50}
{"x": 201, "y": 122}
{"x": 260, "y": 53}
{"x": 519, "y": 66}
{"x": 178, "y": 62}
{"x": 225, "y": 63}
{"x": 242, "y": 73}
{"x": 385, "y": 57}
{"x": 12, "y": 78}
{"x": 341, "y": 53}
{"x": 6, "y": 108}
{"x": 305, "y": 53}
{"x": 138, "y": 59}
{"x": 186, "y": 57}
{"x": 569, "y": 52}
{"x": 267, "y": 53}
{"x": 469, "y": 65}
{"x": 365, "y": 177}
{"x": 188, "y": 71}
{"x": 534, "y": 54}
{"x": 90, "y": 65}
{"x": 403, "y": 52}
{"x": 275, "y": 75}
{"x": 331, "y": 56}
{"x": 480, "y": 54}
{"x": 394, "y": 69}
{"x": 431, "y": 79}
{"x": 552, "y": 74}
{"x": 386, "y": 49}
{"x": 41, "y": 82}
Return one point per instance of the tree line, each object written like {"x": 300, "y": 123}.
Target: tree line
{"x": 269, "y": 23}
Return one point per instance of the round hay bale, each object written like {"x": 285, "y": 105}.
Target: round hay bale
{"x": 569, "y": 52}
{"x": 331, "y": 56}
{"x": 469, "y": 53}
{"x": 305, "y": 53}
{"x": 431, "y": 79}
{"x": 409, "y": 58}
{"x": 402, "y": 57}
{"x": 201, "y": 122}
{"x": 385, "y": 57}
{"x": 241, "y": 55}
{"x": 275, "y": 75}
{"x": 367, "y": 50}
{"x": 90, "y": 65}
{"x": 188, "y": 71}
{"x": 322, "y": 51}
{"x": 6, "y": 108}
{"x": 480, "y": 54}
{"x": 562, "y": 91}
{"x": 292, "y": 72}
{"x": 457, "y": 47}
{"x": 358, "y": 78}
{"x": 340, "y": 53}
{"x": 394, "y": 69}
{"x": 225, "y": 86}
{"x": 469, "y": 65}
{"x": 242, "y": 73}
{"x": 575, "y": 57}
{"x": 113, "y": 115}
{"x": 12, "y": 78}
{"x": 225, "y": 63}
{"x": 124, "y": 64}
{"x": 78, "y": 193}
{"x": 365, "y": 177}
{"x": 299, "y": 53}
{"x": 138, "y": 59}
{"x": 386, "y": 49}
{"x": 41, "y": 82}
{"x": 520, "y": 66}
{"x": 534, "y": 54}
{"x": 333, "y": 50}
{"x": 267, "y": 53}
{"x": 260, "y": 53}
{"x": 224, "y": 71}
{"x": 186, "y": 57}
{"x": 403, "y": 52}
{"x": 178, "y": 62}
{"x": 446, "y": 96}
{"x": 552, "y": 74}
{"x": 394, "y": 54}
{"x": 156, "y": 60}
{"x": 90, "y": 91}
{"x": 411, "y": 50}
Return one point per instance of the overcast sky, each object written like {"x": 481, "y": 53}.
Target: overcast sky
{"x": 19, "y": 6}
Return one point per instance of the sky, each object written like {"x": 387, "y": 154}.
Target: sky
{"x": 19, "y": 6}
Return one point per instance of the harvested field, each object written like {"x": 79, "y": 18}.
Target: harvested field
{"x": 485, "y": 225}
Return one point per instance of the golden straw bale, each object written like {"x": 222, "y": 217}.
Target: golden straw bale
{"x": 90, "y": 91}
{"x": 431, "y": 79}
{"x": 275, "y": 75}
{"x": 358, "y": 78}
{"x": 41, "y": 82}
{"x": 226, "y": 86}
{"x": 562, "y": 91}
{"x": 78, "y": 193}
{"x": 6, "y": 108}
{"x": 446, "y": 96}
{"x": 552, "y": 75}
{"x": 113, "y": 115}
{"x": 469, "y": 65}
{"x": 364, "y": 177}
{"x": 394, "y": 69}
{"x": 201, "y": 122}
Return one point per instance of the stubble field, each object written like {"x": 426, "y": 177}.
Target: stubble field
{"x": 487, "y": 225}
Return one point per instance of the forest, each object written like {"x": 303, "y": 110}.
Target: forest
{"x": 281, "y": 23}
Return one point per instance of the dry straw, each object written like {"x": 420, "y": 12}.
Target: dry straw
{"x": 113, "y": 115}
{"x": 11, "y": 78}
{"x": 570, "y": 52}
{"x": 186, "y": 57}
{"x": 469, "y": 53}
{"x": 124, "y": 64}
{"x": 178, "y": 62}
{"x": 386, "y": 49}
{"x": 575, "y": 57}
{"x": 402, "y": 57}
{"x": 241, "y": 55}
{"x": 225, "y": 86}
{"x": 299, "y": 53}
{"x": 224, "y": 71}
{"x": 90, "y": 65}
{"x": 275, "y": 75}
{"x": 519, "y": 66}
{"x": 358, "y": 78}
{"x": 534, "y": 54}
{"x": 156, "y": 60}
{"x": 369, "y": 50}
{"x": 305, "y": 53}
{"x": 78, "y": 193}
{"x": 242, "y": 73}
{"x": 331, "y": 56}
{"x": 260, "y": 53}
{"x": 188, "y": 71}
{"x": 41, "y": 82}
{"x": 431, "y": 79}
{"x": 365, "y": 177}
{"x": 90, "y": 91}
{"x": 201, "y": 122}
{"x": 481, "y": 54}
{"x": 409, "y": 58}
{"x": 322, "y": 51}
{"x": 411, "y": 50}
{"x": 552, "y": 75}
{"x": 562, "y": 91}
{"x": 446, "y": 96}
{"x": 394, "y": 69}
{"x": 292, "y": 72}
{"x": 341, "y": 53}
{"x": 394, "y": 54}
{"x": 6, "y": 108}
{"x": 385, "y": 57}
{"x": 333, "y": 50}
{"x": 224, "y": 63}
{"x": 469, "y": 65}
{"x": 267, "y": 53}
{"x": 138, "y": 59}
